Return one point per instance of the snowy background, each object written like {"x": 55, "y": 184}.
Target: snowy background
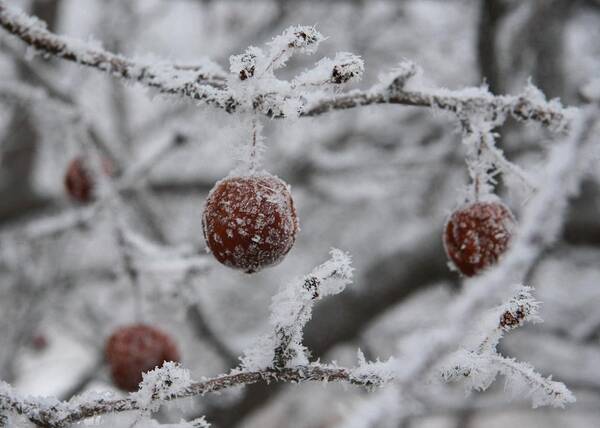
{"x": 377, "y": 182}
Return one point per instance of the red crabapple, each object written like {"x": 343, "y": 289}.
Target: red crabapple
{"x": 39, "y": 342}
{"x": 476, "y": 235}
{"x": 79, "y": 182}
{"x": 136, "y": 349}
{"x": 250, "y": 222}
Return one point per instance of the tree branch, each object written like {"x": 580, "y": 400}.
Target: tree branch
{"x": 205, "y": 332}
{"x": 33, "y": 32}
{"x": 60, "y": 414}
{"x": 208, "y": 84}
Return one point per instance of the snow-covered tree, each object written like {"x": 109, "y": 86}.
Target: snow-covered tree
{"x": 177, "y": 177}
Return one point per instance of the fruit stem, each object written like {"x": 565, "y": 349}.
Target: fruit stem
{"x": 477, "y": 167}
{"x": 253, "y": 151}
{"x": 253, "y": 147}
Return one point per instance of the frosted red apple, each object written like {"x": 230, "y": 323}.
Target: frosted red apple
{"x": 476, "y": 235}
{"x": 250, "y": 222}
{"x": 136, "y": 349}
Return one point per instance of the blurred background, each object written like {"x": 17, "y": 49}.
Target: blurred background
{"x": 377, "y": 182}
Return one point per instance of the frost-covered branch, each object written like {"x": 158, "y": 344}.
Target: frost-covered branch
{"x": 203, "y": 81}
{"x": 543, "y": 217}
{"x": 275, "y": 98}
{"x": 540, "y": 225}
{"x": 477, "y": 368}
{"x": 478, "y": 371}
{"x": 160, "y": 385}
{"x": 521, "y": 308}
{"x": 281, "y": 355}
{"x": 520, "y": 107}
{"x": 543, "y": 391}
{"x": 291, "y": 309}
{"x": 343, "y": 68}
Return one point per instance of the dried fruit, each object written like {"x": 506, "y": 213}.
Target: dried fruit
{"x": 135, "y": 349}
{"x": 476, "y": 235}
{"x": 249, "y": 222}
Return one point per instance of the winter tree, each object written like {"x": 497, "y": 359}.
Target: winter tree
{"x": 205, "y": 202}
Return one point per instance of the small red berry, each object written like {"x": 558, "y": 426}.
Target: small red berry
{"x": 136, "y": 349}
{"x": 476, "y": 235}
{"x": 39, "y": 342}
{"x": 250, "y": 222}
{"x": 79, "y": 182}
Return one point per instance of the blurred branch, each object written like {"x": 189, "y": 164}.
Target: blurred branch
{"x": 30, "y": 295}
{"x": 491, "y": 14}
{"x": 538, "y": 45}
{"x": 341, "y": 319}
{"x": 205, "y": 332}
{"x": 63, "y": 222}
{"x": 18, "y": 195}
{"x": 141, "y": 200}
{"x": 593, "y": 3}
{"x": 61, "y": 95}
{"x": 128, "y": 266}
{"x": 84, "y": 380}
